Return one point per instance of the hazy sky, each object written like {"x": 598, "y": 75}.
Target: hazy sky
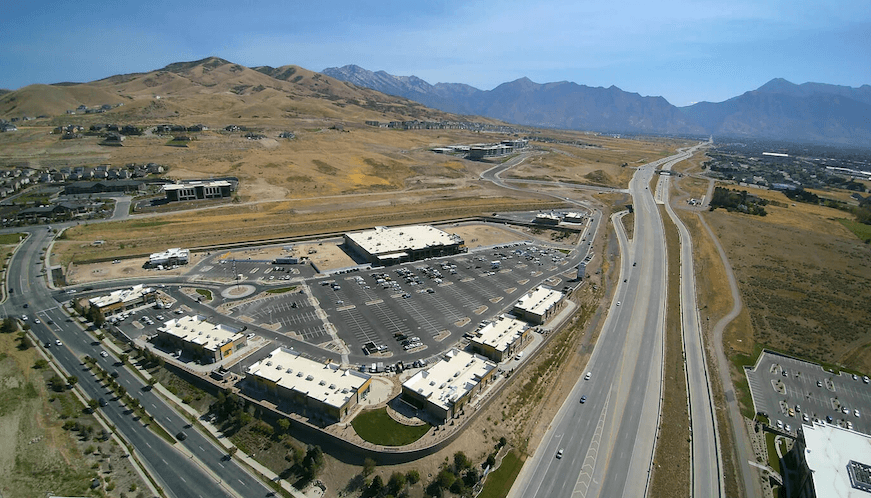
{"x": 685, "y": 51}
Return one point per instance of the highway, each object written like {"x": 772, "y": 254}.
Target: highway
{"x": 608, "y": 442}
{"x": 707, "y": 475}
{"x": 192, "y": 468}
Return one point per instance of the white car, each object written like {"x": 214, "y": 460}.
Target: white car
{"x": 618, "y": 303}
{"x": 58, "y": 343}
{"x": 588, "y": 376}
{"x": 36, "y": 320}
{"x": 104, "y": 354}
{"x": 559, "y": 454}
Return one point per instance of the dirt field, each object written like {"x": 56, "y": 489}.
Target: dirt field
{"x": 37, "y": 455}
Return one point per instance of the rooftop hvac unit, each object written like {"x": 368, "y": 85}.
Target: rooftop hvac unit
{"x": 299, "y": 374}
{"x": 289, "y": 370}
{"x": 268, "y": 363}
{"x": 332, "y": 386}
{"x": 322, "y": 383}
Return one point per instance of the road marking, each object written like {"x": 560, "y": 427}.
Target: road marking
{"x": 182, "y": 478}
{"x": 201, "y": 448}
{"x": 586, "y": 476}
{"x": 146, "y": 444}
{"x": 164, "y": 461}
{"x": 240, "y": 481}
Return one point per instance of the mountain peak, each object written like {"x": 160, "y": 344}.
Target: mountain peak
{"x": 777, "y": 85}
{"x": 210, "y": 62}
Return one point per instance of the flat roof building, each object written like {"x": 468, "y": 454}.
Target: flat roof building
{"x": 199, "y": 338}
{"x": 124, "y": 299}
{"x": 174, "y": 256}
{"x": 193, "y": 190}
{"x": 501, "y": 339}
{"x": 537, "y": 305}
{"x": 386, "y": 246}
{"x": 836, "y": 463}
{"x": 304, "y": 383}
{"x": 443, "y": 389}
{"x": 573, "y": 218}
{"x": 547, "y": 219}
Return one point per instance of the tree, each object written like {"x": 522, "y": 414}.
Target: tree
{"x": 368, "y": 466}
{"x": 284, "y": 425}
{"x": 152, "y": 381}
{"x": 57, "y": 383}
{"x": 502, "y": 441}
{"x": 9, "y": 325}
{"x": 445, "y": 478}
{"x": 396, "y": 483}
{"x": 377, "y": 485}
{"x": 72, "y": 380}
{"x": 93, "y": 404}
{"x": 412, "y": 476}
{"x": 461, "y": 462}
{"x": 313, "y": 461}
{"x": 232, "y": 451}
{"x": 122, "y": 390}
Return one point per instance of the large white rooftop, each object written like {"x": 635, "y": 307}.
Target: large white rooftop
{"x": 383, "y": 240}
{"x": 451, "y": 378}
{"x": 828, "y": 451}
{"x": 195, "y": 183}
{"x": 501, "y": 333}
{"x": 325, "y": 382}
{"x": 121, "y": 296}
{"x": 538, "y": 300}
{"x": 174, "y": 253}
{"x": 196, "y": 330}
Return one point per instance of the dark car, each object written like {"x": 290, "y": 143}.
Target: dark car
{"x": 181, "y": 436}
{"x": 103, "y": 402}
{"x": 583, "y": 399}
{"x": 114, "y": 374}
{"x": 26, "y": 305}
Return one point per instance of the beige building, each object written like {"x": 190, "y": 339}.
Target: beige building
{"x": 444, "y": 389}
{"x": 537, "y": 305}
{"x": 324, "y": 387}
{"x": 201, "y": 339}
{"x": 501, "y": 339}
{"x": 388, "y": 246}
{"x": 124, "y": 299}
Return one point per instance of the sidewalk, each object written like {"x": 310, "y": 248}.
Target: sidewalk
{"x": 216, "y": 434}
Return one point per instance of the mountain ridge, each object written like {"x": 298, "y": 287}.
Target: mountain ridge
{"x": 779, "y": 109}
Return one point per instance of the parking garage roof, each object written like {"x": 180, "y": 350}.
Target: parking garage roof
{"x": 451, "y": 378}
{"x": 326, "y": 382}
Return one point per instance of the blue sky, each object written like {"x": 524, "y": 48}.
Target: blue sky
{"x": 685, "y": 51}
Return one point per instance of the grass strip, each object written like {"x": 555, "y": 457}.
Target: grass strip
{"x": 500, "y": 481}
{"x": 671, "y": 476}
{"x": 281, "y": 290}
{"x": 376, "y": 427}
{"x": 206, "y": 293}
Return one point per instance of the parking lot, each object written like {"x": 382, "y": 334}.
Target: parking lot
{"x": 792, "y": 392}
{"x": 435, "y": 301}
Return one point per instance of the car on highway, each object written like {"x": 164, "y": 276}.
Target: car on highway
{"x": 583, "y": 399}
{"x": 103, "y": 402}
{"x": 587, "y": 377}
{"x": 36, "y": 320}
{"x": 819, "y": 384}
{"x": 114, "y": 374}
{"x": 856, "y": 413}
{"x": 104, "y": 354}
{"x": 618, "y": 303}
{"x": 559, "y": 454}
{"x": 181, "y": 436}
{"x": 58, "y": 343}
{"x": 26, "y": 305}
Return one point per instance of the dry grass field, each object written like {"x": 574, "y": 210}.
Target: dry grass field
{"x": 37, "y": 454}
{"x": 803, "y": 278}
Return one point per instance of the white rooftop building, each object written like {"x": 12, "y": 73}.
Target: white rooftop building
{"x": 199, "y": 337}
{"x": 124, "y": 299}
{"x": 306, "y": 383}
{"x": 839, "y": 461}
{"x": 384, "y": 245}
{"x": 443, "y": 389}
{"x": 174, "y": 256}
{"x": 537, "y": 305}
{"x": 501, "y": 338}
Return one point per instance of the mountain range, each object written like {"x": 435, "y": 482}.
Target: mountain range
{"x": 779, "y": 109}
{"x": 213, "y": 89}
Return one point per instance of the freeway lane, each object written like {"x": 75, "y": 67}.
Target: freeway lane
{"x": 707, "y": 478}
{"x": 175, "y": 470}
{"x": 608, "y": 442}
